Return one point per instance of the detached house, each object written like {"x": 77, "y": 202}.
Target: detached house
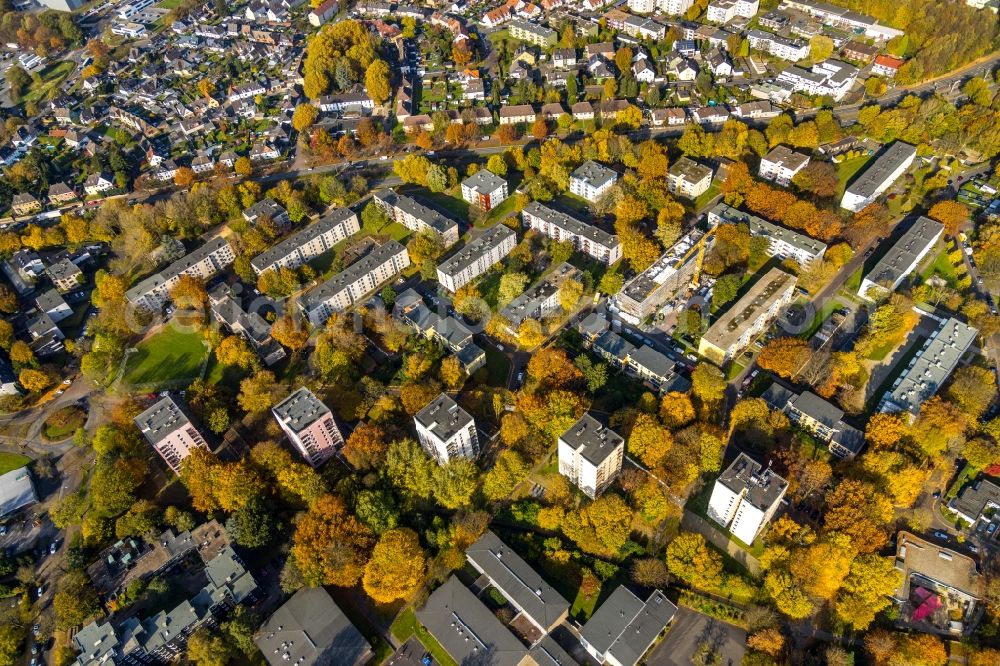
{"x": 25, "y": 204}
{"x": 97, "y": 184}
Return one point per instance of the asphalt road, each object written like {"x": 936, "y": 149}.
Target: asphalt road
{"x": 688, "y": 631}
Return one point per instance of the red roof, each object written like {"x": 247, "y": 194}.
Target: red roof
{"x": 889, "y": 61}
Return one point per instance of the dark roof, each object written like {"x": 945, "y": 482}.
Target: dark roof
{"x": 763, "y": 486}
{"x": 614, "y": 344}
{"x": 443, "y": 417}
{"x": 467, "y": 630}
{"x": 300, "y": 409}
{"x": 281, "y": 250}
{"x": 312, "y": 630}
{"x": 974, "y": 499}
{"x": 884, "y": 165}
{"x": 594, "y": 441}
{"x": 517, "y": 580}
{"x": 625, "y": 627}
{"x": 165, "y": 416}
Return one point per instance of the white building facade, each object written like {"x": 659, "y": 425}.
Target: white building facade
{"x": 446, "y": 431}
{"x": 590, "y": 455}
{"x": 745, "y": 498}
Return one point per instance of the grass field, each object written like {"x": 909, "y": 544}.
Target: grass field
{"x": 52, "y": 76}
{"x": 406, "y": 625}
{"x": 11, "y": 461}
{"x": 706, "y": 196}
{"x": 169, "y": 357}
{"x": 64, "y": 423}
{"x": 847, "y": 169}
{"x": 942, "y": 266}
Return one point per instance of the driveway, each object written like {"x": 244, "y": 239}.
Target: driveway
{"x": 690, "y": 630}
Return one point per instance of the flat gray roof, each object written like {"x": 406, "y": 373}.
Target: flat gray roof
{"x": 176, "y": 268}
{"x": 310, "y": 629}
{"x": 624, "y": 626}
{"x": 484, "y": 181}
{"x": 526, "y": 305}
{"x": 728, "y": 328}
{"x": 467, "y": 629}
{"x": 571, "y": 224}
{"x": 16, "y": 491}
{"x": 893, "y": 265}
{"x": 164, "y": 417}
{"x": 690, "y": 170}
{"x": 884, "y": 165}
{"x": 468, "y": 255}
{"x": 512, "y": 575}
{"x": 436, "y": 220}
{"x": 284, "y": 248}
{"x": 443, "y": 417}
{"x": 594, "y": 174}
{"x": 932, "y": 367}
{"x": 366, "y": 264}
{"x": 592, "y": 440}
{"x": 786, "y": 157}
{"x": 763, "y": 486}
{"x": 300, "y": 409}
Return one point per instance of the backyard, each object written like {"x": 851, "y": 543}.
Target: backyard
{"x": 169, "y": 357}
{"x": 406, "y": 625}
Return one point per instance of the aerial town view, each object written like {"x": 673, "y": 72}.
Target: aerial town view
{"x": 500, "y": 332}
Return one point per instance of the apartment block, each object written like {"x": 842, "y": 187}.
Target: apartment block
{"x": 364, "y": 276}
{"x": 781, "y": 164}
{"x": 878, "y": 176}
{"x": 213, "y": 257}
{"x": 168, "y": 429}
{"x": 625, "y": 627}
{"x": 65, "y": 275}
{"x": 902, "y": 258}
{"x": 644, "y": 294}
{"x": 532, "y": 597}
{"x": 748, "y": 317}
{"x": 937, "y": 358}
{"x": 541, "y": 299}
{"x": 484, "y": 189}
{"x": 533, "y": 33}
{"x": 308, "y": 243}
{"x": 309, "y": 426}
{"x": 830, "y": 77}
{"x": 669, "y": 7}
{"x": 446, "y": 431}
{"x": 724, "y": 11}
{"x": 590, "y": 455}
{"x": 689, "y": 179}
{"x": 745, "y": 498}
{"x": 592, "y": 181}
{"x": 820, "y": 418}
{"x": 415, "y": 216}
{"x": 479, "y": 256}
{"x": 227, "y": 311}
{"x": 586, "y": 238}
{"x": 782, "y": 47}
{"x": 784, "y": 243}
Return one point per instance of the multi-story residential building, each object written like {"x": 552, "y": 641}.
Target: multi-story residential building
{"x": 311, "y": 630}
{"x": 781, "y": 164}
{"x": 748, "y": 317}
{"x": 689, "y": 179}
{"x": 669, "y": 7}
{"x": 533, "y": 33}
{"x": 902, "y": 258}
{"x": 656, "y": 370}
{"x": 211, "y": 258}
{"x": 253, "y": 328}
{"x": 590, "y": 455}
{"x": 308, "y": 243}
{"x": 476, "y": 258}
{"x": 745, "y": 498}
{"x": 168, "y": 429}
{"x": 859, "y": 51}
{"x": 267, "y": 209}
{"x": 784, "y": 243}
{"x": 979, "y": 500}
{"x": 625, "y": 627}
{"x": 309, "y": 426}
{"x": 643, "y": 295}
{"x": 344, "y": 289}
{"x": 592, "y": 181}
{"x": 515, "y": 115}
{"x": 842, "y": 17}
{"x": 25, "y": 204}
{"x": 541, "y": 299}
{"x": 532, "y": 597}
{"x": 782, "y": 47}
{"x": 820, "y": 418}
{"x": 586, "y": 238}
{"x": 51, "y": 303}
{"x": 830, "y": 77}
{"x": 878, "y": 176}
{"x": 724, "y": 11}
{"x": 65, "y": 275}
{"x": 415, "y": 216}
{"x": 484, "y": 189}
{"x": 639, "y": 27}
{"x": 936, "y": 360}
{"x": 446, "y": 431}
{"x": 97, "y": 183}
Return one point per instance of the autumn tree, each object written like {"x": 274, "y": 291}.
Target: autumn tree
{"x": 257, "y": 392}
{"x": 860, "y": 511}
{"x": 648, "y": 440}
{"x": 952, "y": 214}
{"x": 691, "y": 560}
{"x": 454, "y": 483}
{"x": 818, "y": 178}
{"x": 366, "y": 446}
{"x": 867, "y": 590}
{"x": 330, "y": 546}
{"x": 183, "y": 177}
{"x": 708, "y": 384}
{"x": 377, "y": 81}
{"x": 552, "y": 368}
{"x": 290, "y": 331}
{"x": 234, "y": 351}
{"x": 396, "y": 568}
{"x": 784, "y": 356}
{"x": 304, "y": 116}
{"x": 243, "y": 167}
{"x": 507, "y": 472}
{"x": 34, "y": 380}
{"x": 601, "y": 527}
{"x": 188, "y": 293}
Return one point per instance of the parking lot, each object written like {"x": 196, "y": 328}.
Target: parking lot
{"x": 690, "y": 631}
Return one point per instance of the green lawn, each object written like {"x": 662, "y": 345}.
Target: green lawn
{"x": 52, "y": 77}
{"x": 854, "y": 282}
{"x": 169, "y": 4}
{"x": 734, "y": 370}
{"x": 847, "y": 169}
{"x": 706, "y": 196}
{"x": 406, "y": 625}
{"x": 821, "y": 316}
{"x": 500, "y": 213}
{"x": 64, "y": 423}
{"x": 169, "y": 357}
{"x": 942, "y": 266}
{"x": 11, "y": 461}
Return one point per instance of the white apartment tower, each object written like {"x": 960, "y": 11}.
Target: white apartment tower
{"x": 745, "y": 498}
{"x": 446, "y": 431}
{"x": 590, "y": 455}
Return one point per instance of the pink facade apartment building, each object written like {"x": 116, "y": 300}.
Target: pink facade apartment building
{"x": 309, "y": 425}
{"x": 168, "y": 428}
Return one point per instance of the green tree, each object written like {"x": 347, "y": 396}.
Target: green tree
{"x": 454, "y": 483}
